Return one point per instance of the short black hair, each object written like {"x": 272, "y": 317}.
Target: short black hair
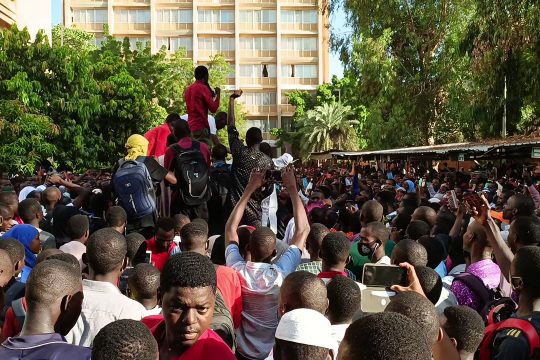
{"x": 419, "y": 309}
{"x": 379, "y": 230}
{"x": 144, "y": 281}
{"x": 124, "y": 340}
{"x": 181, "y": 220}
{"x": 134, "y": 245}
{"x": 194, "y": 236}
{"x": 116, "y": 216}
{"x": 384, "y": 336}
{"x": 69, "y": 259}
{"x": 316, "y": 235}
{"x": 335, "y": 248}
{"x": 181, "y": 130}
{"x": 308, "y": 290}
{"x": 201, "y": 72}
{"x": 47, "y": 253}
{"x": 401, "y": 221}
{"x": 426, "y": 214}
{"x": 165, "y": 223}
{"x": 253, "y": 136}
{"x": 417, "y": 229}
{"x": 266, "y": 149}
{"x": 188, "y": 269}
{"x": 262, "y": 243}
{"x": 527, "y": 265}
{"x": 430, "y": 282}
{"x": 106, "y": 250}
{"x": 77, "y": 226}
{"x": 435, "y": 250}
{"x": 297, "y": 351}
{"x": 527, "y": 230}
{"x": 523, "y": 204}
{"x": 219, "y": 152}
{"x": 51, "y": 280}
{"x": 28, "y": 209}
{"x": 14, "y": 248}
{"x": 344, "y": 297}
{"x": 411, "y": 200}
{"x": 466, "y": 326}
{"x": 172, "y": 117}
{"x": 371, "y": 211}
{"x": 410, "y": 251}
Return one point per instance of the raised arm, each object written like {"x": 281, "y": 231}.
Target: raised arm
{"x": 255, "y": 181}
{"x": 301, "y": 223}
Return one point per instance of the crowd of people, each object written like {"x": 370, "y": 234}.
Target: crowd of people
{"x": 176, "y": 253}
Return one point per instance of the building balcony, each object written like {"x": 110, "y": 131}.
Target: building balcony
{"x": 174, "y": 27}
{"x": 260, "y": 110}
{"x": 131, "y": 3}
{"x": 257, "y": 82}
{"x": 311, "y": 3}
{"x": 91, "y": 27}
{"x": 213, "y": 27}
{"x": 299, "y": 81}
{"x": 182, "y": 3}
{"x": 287, "y": 109}
{"x": 207, "y": 54}
{"x": 298, "y": 54}
{"x": 263, "y": 3}
{"x": 258, "y": 53}
{"x": 295, "y": 28}
{"x": 132, "y": 28}
{"x": 215, "y": 2}
{"x": 88, "y": 3}
{"x": 258, "y": 27}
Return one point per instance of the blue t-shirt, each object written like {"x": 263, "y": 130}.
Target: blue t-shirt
{"x": 43, "y": 346}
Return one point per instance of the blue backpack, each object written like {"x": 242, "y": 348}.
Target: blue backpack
{"x": 134, "y": 189}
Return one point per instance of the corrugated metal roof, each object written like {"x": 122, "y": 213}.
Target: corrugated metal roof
{"x": 480, "y": 147}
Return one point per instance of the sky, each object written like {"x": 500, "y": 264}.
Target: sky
{"x": 337, "y": 23}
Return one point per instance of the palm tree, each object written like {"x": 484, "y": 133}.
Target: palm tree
{"x": 327, "y": 127}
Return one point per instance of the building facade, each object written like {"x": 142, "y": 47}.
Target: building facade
{"x": 273, "y": 46}
{"x": 32, "y": 14}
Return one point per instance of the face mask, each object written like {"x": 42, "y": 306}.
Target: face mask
{"x": 365, "y": 250}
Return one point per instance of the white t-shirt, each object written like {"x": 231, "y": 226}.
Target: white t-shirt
{"x": 211, "y": 123}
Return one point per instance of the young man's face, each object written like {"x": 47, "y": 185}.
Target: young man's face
{"x": 164, "y": 239}
{"x": 188, "y": 313}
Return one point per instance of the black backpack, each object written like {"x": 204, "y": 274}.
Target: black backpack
{"x": 191, "y": 172}
{"x": 220, "y": 185}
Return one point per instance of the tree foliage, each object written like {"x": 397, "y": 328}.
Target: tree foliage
{"x": 82, "y": 102}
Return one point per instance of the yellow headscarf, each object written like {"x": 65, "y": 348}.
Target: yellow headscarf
{"x": 136, "y": 145}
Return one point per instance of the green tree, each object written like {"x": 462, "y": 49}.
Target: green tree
{"x": 77, "y": 39}
{"x": 327, "y": 126}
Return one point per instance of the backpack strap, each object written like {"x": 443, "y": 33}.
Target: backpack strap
{"x": 476, "y": 285}
{"x": 486, "y": 347}
{"x": 19, "y": 311}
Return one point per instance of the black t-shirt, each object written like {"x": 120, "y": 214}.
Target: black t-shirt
{"x": 512, "y": 343}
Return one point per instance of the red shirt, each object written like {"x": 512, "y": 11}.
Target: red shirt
{"x": 199, "y": 101}
{"x": 11, "y": 325}
{"x": 159, "y": 258}
{"x": 208, "y": 346}
{"x": 186, "y": 144}
{"x": 331, "y": 274}
{"x": 157, "y": 138}
{"x": 229, "y": 286}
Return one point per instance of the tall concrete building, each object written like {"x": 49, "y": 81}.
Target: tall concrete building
{"x": 32, "y": 14}
{"x": 274, "y": 46}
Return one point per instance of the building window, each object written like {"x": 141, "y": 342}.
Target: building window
{"x": 299, "y": 16}
{"x": 90, "y": 16}
{"x": 258, "y": 16}
{"x": 299, "y": 43}
{"x": 299, "y": 71}
{"x": 216, "y": 16}
{"x": 262, "y": 43}
{"x": 257, "y": 70}
{"x": 174, "y": 43}
{"x": 216, "y": 44}
{"x": 260, "y": 99}
{"x": 175, "y": 16}
{"x": 265, "y": 124}
{"x": 132, "y": 16}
